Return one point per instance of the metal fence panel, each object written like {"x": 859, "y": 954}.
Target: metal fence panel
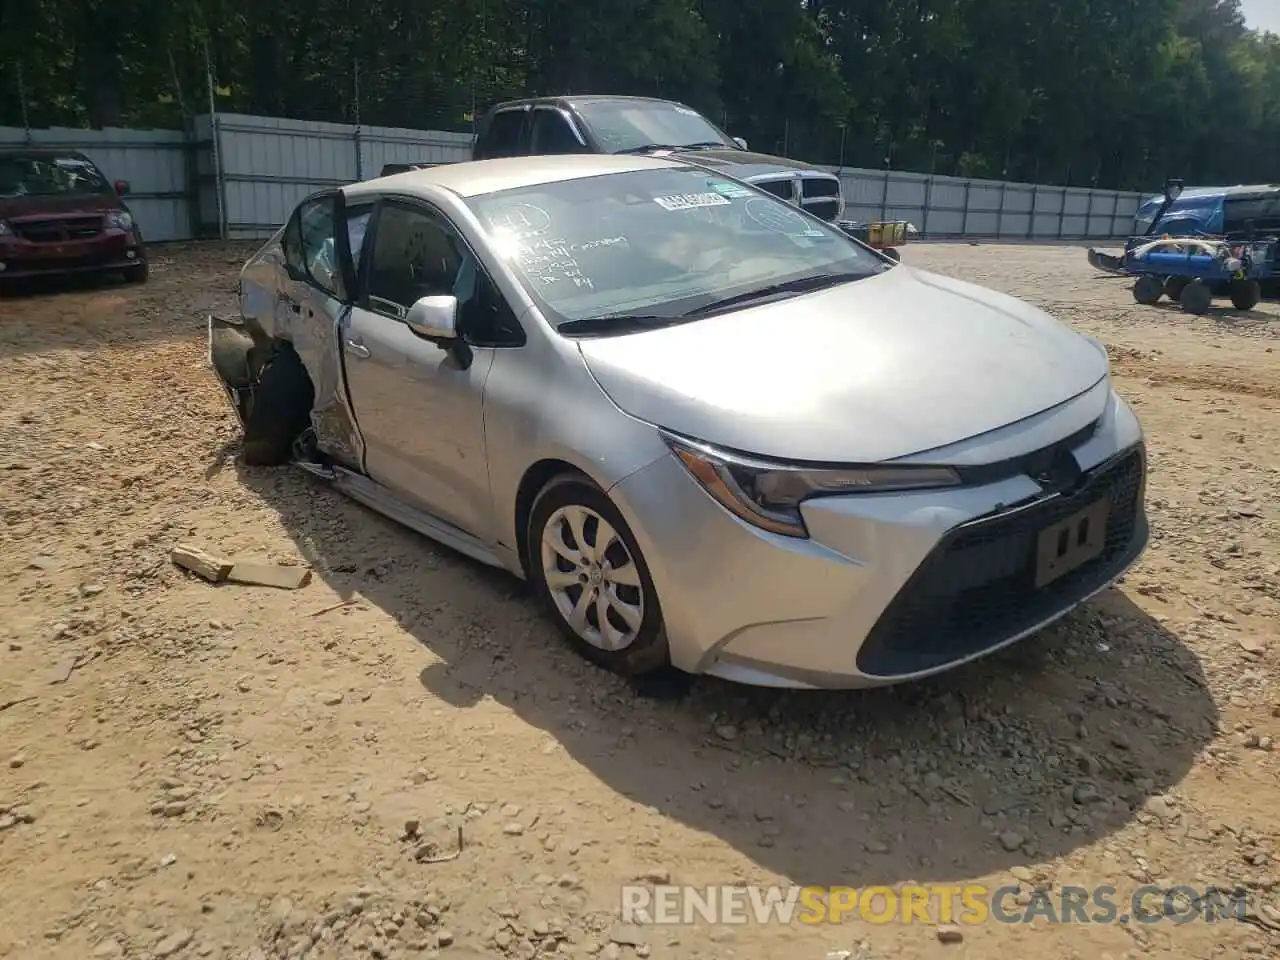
{"x": 265, "y": 165}
{"x": 957, "y": 207}
{"x": 239, "y": 176}
{"x": 153, "y": 161}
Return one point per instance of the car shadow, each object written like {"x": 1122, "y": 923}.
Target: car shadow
{"x": 1020, "y": 758}
{"x": 1228, "y": 316}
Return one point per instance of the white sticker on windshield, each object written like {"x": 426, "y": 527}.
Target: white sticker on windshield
{"x": 691, "y": 201}
{"x": 686, "y": 111}
{"x": 71, "y": 163}
{"x": 734, "y": 191}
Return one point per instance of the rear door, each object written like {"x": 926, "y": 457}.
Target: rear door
{"x": 318, "y": 244}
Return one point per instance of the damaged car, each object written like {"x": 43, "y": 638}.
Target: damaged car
{"x": 709, "y": 428}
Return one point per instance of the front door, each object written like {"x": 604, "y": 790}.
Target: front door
{"x": 419, "y": 407}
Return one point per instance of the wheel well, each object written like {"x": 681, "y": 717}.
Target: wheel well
{"x": 535, "y": 478}
{"x": 281, "y": 406}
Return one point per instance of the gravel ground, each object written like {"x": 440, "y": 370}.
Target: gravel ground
{"x": 227, "y": 772}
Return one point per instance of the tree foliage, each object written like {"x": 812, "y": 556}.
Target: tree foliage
{"x": 1112, "y": 93}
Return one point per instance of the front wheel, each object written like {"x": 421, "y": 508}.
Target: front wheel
{"x": 1173, "y": 287}
{"x": 1147, "y": 289}
{"x": 587, "y": 569}
{"x": 136, "y": 273}
{"x": 1245, "y": 294}
{"x": 1197, "y": 298}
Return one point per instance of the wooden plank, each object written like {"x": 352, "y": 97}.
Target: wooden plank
{"x": 203, "y": 564}
{"x": 270, "y": 575}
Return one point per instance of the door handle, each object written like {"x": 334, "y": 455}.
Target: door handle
{"x": 357, "y": 348}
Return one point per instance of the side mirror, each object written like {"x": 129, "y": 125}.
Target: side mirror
{"x": 740, "y": 142}
{"x": 434, "y": 318}
{"x": 122, "y": 187}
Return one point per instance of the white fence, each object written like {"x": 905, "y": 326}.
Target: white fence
{"x": 956, "y": 207}
{"x": 154, "y": 162}
{"x": 239, "y": 176}
{"x": 268, "y": 165}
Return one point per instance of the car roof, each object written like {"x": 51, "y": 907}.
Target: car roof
{"x": 570, "y": 100}
{"x": 473, "y": 178}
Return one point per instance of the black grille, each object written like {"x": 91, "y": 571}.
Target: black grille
{"x": 976, "y": 589}
{"x": 59, "y": 231}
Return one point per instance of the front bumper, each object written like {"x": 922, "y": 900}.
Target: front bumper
{"x": 889, "y": 587}
{"x": 111, "y": 250}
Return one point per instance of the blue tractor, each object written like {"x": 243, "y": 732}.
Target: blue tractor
{"x": 1193, "y": 244}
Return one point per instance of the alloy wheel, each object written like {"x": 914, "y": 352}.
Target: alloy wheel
{"x": 592, "y": 578}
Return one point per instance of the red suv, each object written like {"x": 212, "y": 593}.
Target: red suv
{"x": 59, "y": 214}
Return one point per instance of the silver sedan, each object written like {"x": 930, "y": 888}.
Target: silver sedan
{"x": 710, "y": 429}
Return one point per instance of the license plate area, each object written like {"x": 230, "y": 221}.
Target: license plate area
{"x": 1072, "y": 542}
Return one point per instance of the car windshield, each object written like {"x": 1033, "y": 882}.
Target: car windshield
{"x": 49, "y": 176}
{"x": 622, "y": 125}
{"x": 661, "y": 241}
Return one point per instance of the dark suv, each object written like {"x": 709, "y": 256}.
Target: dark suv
{"x": 601, "y": 124}
{"x": 59, "y": 214}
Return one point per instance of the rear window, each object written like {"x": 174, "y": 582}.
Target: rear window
{"x": 49, "y": 176}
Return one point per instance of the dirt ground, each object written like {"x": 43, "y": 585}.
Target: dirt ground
{"x": 227, "y": 772}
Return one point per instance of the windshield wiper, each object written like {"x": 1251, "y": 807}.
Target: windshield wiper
{"x": 803, "y": 285}
{"x": 701, "y": 145}
{"x": 611, "y": 323}
{"x": 647, "y": 147}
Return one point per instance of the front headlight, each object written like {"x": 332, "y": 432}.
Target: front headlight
{"x": 768, "y": 495}
{"x": 120, "y": 220}
{"x": 5, "y": 229}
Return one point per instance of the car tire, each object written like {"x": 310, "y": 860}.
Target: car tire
{"x": 136, "y": 274}
{"x": 281, "y": 410}
{"x": 1245, "y": 294}
{"x": 1173, "y": 287}
{"x": 1196, "y": 298}
{"x": 633, "y": 649}
{"x": 1148, "y": 290}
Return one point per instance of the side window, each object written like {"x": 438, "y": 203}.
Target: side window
{"x": 416, "y": 254}
{"x": 357, "y": 225}
{"x": 291, "y": 243}
{"x": 310, "y": 246}
{"x": 553, "y": 134}
{"x": 413, "y": 257}
{"x": 503, "y": 137}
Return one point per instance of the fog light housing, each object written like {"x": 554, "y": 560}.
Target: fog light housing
{"x": 3, "y": 266}
{"x": 131, "y": 254}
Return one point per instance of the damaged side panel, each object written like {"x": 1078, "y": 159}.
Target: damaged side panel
{"x": 276, "y": 309}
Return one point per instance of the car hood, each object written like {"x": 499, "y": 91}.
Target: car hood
{"x": 894, "y": 365}
{"x": 15, "y": 207}
{"x": 742, "y": 164}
